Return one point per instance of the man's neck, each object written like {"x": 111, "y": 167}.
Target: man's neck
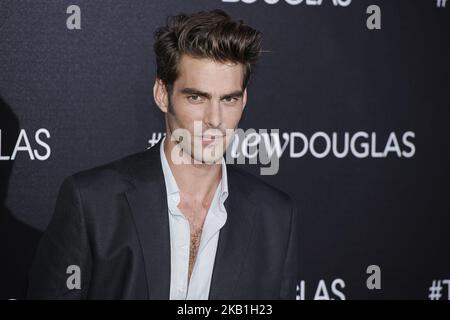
{"x": 196, "y": 181}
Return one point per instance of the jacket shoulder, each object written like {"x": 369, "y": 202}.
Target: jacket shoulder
{"x": 257, "y": 190}
{"x": 113, "y": 176}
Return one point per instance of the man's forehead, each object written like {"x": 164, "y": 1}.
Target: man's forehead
{"x": 202, "y": 67}
{"x": 209, "y": 76}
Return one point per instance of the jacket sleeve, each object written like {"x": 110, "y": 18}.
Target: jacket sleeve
{"x": 290, "y": 271}
{"x": 62, "y": 263}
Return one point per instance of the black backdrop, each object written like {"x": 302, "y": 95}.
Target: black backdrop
{"x": 74, "y": 99}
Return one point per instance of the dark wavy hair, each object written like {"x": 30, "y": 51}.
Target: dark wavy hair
{"x": 206, "y": 34}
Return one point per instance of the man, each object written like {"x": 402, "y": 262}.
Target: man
{"x": 175, "y": 221}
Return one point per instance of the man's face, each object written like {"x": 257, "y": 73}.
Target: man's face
{"x": 206, "y": 102}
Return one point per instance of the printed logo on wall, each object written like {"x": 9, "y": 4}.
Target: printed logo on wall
{"x": 31, "y": 148}
{"x": 266, "y": 148}
{"x": 340, "y": 3}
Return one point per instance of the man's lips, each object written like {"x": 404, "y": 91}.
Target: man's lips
{"x": 210, "y": 140}
{"x": 208, "y": 137}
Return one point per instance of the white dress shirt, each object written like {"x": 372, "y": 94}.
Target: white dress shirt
{"x": 199, "y": 285}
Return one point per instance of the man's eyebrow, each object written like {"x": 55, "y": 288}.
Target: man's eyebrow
{"x": 193, "y": 91}
{"x": 234, "y": 94}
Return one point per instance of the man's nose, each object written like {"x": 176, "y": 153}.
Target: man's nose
{"x": 213, "y": 115}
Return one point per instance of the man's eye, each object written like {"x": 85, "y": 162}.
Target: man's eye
{"x": 230, "y": 100}
{"x": 194, "y": 98}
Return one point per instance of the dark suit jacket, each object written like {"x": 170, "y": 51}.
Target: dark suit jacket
{"x": 112, "y": 222}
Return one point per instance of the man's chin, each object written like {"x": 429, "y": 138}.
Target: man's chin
{"x": 207, "y": 160}
{"x": 205, "y": 155}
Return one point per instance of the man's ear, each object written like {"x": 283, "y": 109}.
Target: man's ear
{"x": 244, "y": 98}
{"x": 161, "y": 95}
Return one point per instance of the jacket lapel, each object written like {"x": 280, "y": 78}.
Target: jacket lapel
{"x": 148, "y": 202}
{"x": 234, "y": 240}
